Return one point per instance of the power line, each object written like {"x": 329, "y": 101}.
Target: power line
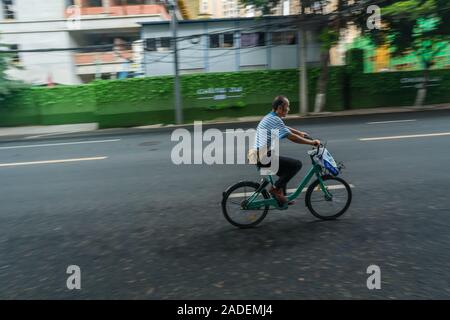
{"x": 226, "y": 51}
{"x": 181, "y": 38}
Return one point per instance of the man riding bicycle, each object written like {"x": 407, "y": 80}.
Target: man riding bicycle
{"x": 288, "y": 167}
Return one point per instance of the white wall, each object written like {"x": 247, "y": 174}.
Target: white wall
{"x": 157, "y": 63}
{"x": 39, "y": 65}
{"x": 37, "y": 25}
{"x": 313, "y": 47}
{"x": 41, "y": 24}
{"x": 283, "y": 57}
{"x": 203, "y": 58}
{"x": 39, "y": 9}
{"x": 253, "y": 58}
{"x": 219, "y": 59}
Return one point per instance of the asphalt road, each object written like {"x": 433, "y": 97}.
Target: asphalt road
{"x": 140, "y": 227}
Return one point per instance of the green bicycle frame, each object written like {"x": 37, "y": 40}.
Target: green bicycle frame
{"x": 314, "y": 170}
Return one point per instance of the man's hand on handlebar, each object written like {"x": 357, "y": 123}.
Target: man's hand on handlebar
{"x": 305, "y": 139}
{"x": 314, "y": 142}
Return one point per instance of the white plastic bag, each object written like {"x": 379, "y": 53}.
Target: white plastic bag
{"x": 326, "y": 160}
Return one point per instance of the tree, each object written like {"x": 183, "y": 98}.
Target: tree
{"x": 337, "y": 17}
{"x": 419, "y": 26}
{"x": 7, "y": 86}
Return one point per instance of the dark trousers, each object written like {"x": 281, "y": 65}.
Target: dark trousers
{"x": 287, "y": 169}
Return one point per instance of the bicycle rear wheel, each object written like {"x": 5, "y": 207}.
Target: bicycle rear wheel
{"x": 233, "y": 204}
{"x": 324, "y": 207}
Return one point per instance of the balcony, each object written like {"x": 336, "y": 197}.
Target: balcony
{"x": 113, "y": 10}
{"x": 103, "y": 62}
{"x": 130, "y": 10}
{"x": 103, "y": 57}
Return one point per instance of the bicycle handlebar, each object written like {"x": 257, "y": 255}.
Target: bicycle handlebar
{"x": 311, "y": 138}
{"x": 315, "y": 147}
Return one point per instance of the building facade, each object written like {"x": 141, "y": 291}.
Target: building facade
{"x": 234, "y": 44}
{"x": 217, "y": 9}
{"x": 69, "y": 24}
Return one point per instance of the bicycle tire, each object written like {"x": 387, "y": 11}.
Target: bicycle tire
{"x": 311, "y": 188}
{"x": 229, "y": 191}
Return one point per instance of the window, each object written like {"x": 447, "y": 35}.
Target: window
{"x": 158, "y": 44}
{"x": 150, "y": 44}
{"x": 8, "y": 9}
{"x": 135, "y": 2}
{"x": 284, "y": 38}
{"x": 204, "y": 6}
{"x": 106, "y": 76}
{"x": 15, "y": 56}
{"x": 256, "y": 39}
{"x": 228, "y": 40}
{"x": 164, "y": 44}
{"x": 94, "y": 3}
{"x": 230, "y": 8}
{"x": 214, "y": 41}
{"x": 250, "y": 11}
{"x": 224, "y": 40}
{"x": 132, "y": 2}
{"x": 286, "y": 5}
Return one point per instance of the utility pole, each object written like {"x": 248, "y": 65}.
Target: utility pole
{"x": 177, "y": 86}
{"x": 303, "y": 92}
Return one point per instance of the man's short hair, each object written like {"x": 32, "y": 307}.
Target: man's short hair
{"x": 278, "y": 101}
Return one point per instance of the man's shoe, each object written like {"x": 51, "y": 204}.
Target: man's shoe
{"x": 278, "y": 194}
{"x": 290, "y": 203}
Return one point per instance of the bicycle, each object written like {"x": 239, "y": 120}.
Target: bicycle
{"x": 254, "y": 201}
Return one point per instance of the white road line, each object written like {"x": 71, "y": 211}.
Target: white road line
{"x": 407, "y": 136}
{"x": 50, "y": 161}
{"x": 393, "y": 121}
{"x": 58, "y": 144}
{"x": 249, "y": 193}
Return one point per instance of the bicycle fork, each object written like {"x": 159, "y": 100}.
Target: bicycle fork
{"x": 328, "y": 195}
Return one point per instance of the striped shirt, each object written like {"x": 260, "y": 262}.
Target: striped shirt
{"x": 264, "y": 130}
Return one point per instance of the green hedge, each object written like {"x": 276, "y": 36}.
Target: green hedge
{"x": 150, "y": 100}
{"x": 61, "y": 105}
{"x": 335, "y": 90}
{"x": 354, "y": 60}
{"x": 19, "y": 110}
{"x": 371, "y": 90}
{"x": 142, "y": 101}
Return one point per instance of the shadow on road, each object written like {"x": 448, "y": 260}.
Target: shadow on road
{"x": 284, "y": 233}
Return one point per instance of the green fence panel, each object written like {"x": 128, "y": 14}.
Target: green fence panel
{"x": 209, "y": 96}
{"x": 392, "y": 89}
{"x": 19, "y": 109}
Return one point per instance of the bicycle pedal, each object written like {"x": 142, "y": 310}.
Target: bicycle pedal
{"x": 283, "y": 207}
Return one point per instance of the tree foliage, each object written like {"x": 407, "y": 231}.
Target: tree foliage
{"x": 7, "y": 86}
{"x": 420, "y": 26}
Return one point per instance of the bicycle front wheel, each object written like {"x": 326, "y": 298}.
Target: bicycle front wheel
{"x": 332, "y": 206}
{"x": 233, "y": 205}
